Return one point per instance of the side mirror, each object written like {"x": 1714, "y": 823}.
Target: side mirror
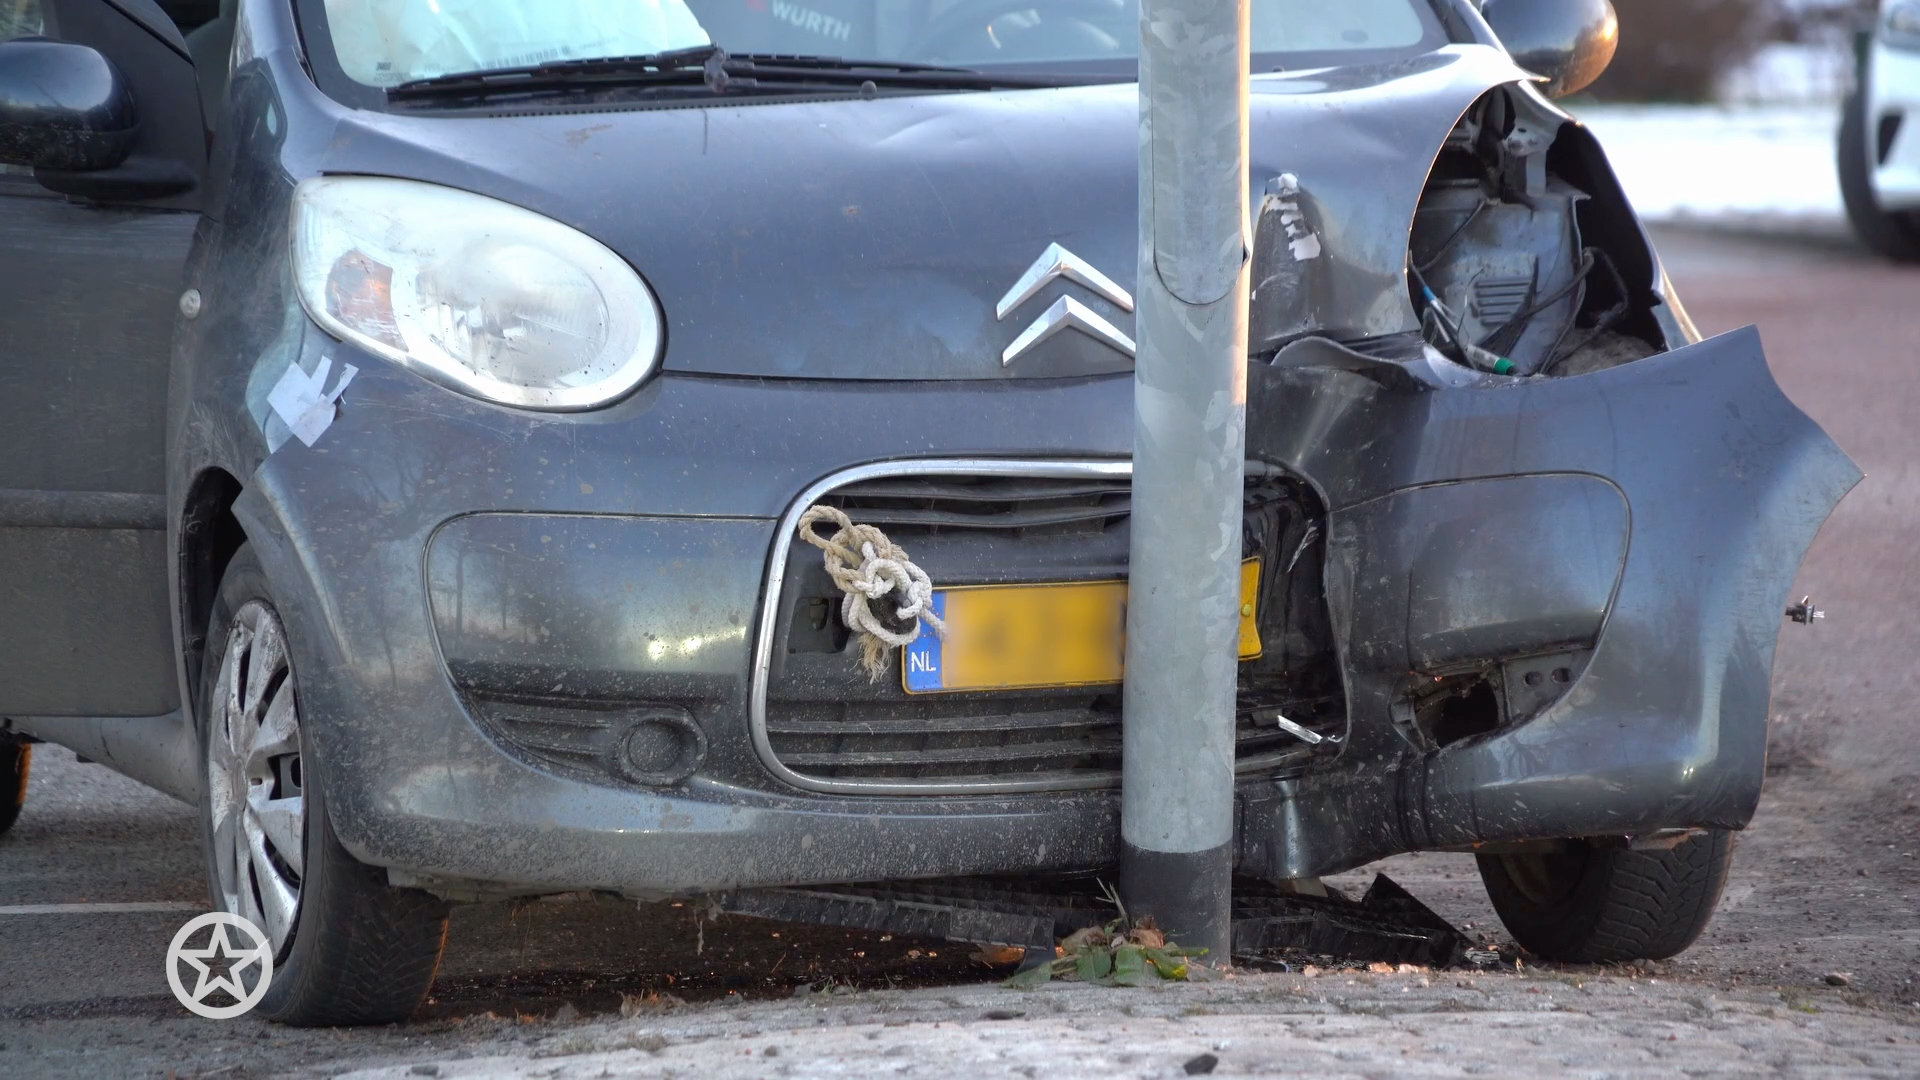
{"x": 63, "y": 106}
{"x": 1569, "y": 41}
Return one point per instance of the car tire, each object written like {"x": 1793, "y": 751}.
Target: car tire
{"x": 1894, "y": 235}
{"x": 16, "y": 755}
{"x": 1593, "y": 904}
{"x": 349, "y": 948}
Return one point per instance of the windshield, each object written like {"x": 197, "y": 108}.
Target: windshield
{"x": 20, "y": 18}
{"x": 388, "y": 42}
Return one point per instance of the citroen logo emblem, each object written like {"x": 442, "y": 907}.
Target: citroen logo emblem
{"x": 1066, "y": 312}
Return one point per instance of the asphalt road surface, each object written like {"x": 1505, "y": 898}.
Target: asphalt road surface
{"x": 99, "y": 873}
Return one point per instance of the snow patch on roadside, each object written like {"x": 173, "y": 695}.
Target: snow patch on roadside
{"x": 1647, "y": 1025}
{"x": 1766, "y": 166}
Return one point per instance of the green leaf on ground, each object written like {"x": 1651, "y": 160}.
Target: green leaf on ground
{"x": 1037, "y": 975}
{"x": 1093, "y": 965}
{"x": 1113, "y": 955}
{"x": 1130, "y": 967}
{"x": 1168, "y": 963}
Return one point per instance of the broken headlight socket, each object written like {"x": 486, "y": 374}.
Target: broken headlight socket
{"x": 1432, "y": 711}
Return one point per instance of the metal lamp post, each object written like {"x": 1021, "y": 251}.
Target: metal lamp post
{"x": 1176, "y": 858}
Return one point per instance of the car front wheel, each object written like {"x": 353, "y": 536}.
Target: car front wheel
{"x": 1589, "y": 903}
{"x": 348, "y": 947}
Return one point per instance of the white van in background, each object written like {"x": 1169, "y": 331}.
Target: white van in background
{"x": 1880, "y": 135}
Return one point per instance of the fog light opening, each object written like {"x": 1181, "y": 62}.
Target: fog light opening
{"x": 660, "y": 748}
{"x": 1473, "y": 710}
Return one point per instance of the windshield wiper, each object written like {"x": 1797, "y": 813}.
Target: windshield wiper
{"x": 677, "y": 67}
{"x": 720, "y": 72}
{"x": 834, "y": 71}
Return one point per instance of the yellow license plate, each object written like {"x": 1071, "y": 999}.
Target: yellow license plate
{"x": 1021, "y": 637}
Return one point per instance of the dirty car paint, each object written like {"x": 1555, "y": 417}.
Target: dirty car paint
{"x": 828, "y": 271}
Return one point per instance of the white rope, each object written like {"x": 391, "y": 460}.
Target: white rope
{"x": 866, "y": 566}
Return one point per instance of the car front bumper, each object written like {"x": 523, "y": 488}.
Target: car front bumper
{"x": 624, "y": 553}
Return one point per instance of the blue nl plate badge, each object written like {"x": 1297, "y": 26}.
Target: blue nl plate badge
{"x": 922, "y": 670}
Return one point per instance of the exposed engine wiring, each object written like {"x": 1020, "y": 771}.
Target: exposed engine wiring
{"x": 1449, "y": 326}
{"x": 1447, "y": 244}
{"x": 1588, "y": 258}
{"x": 1553, "y": 350}
{"x": 1601, "y": 323}
{"x": 1441, "y": 322}
{"x": 1434, "y": 306}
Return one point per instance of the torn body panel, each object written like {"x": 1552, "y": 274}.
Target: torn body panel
{"x": 1523, "y": 256}
{"x": 1724, "y": 483}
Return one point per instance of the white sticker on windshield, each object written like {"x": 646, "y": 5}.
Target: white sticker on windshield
{"x": 303, "y": 402}
{"x": 388, "y": 42}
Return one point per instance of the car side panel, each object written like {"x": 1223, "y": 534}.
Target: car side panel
{"x": 90, "y": 304}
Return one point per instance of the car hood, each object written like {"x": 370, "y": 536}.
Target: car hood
{"x": 872, "y": 239}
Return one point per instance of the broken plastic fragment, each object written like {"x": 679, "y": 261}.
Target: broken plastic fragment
{"x": 1301, "y": 239}
{"x": 303, "y": 402}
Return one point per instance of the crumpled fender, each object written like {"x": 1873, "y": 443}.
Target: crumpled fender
{"x": 1724, "y": 483}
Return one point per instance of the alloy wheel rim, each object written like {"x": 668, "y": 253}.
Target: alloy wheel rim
{"x": 254, "y": 777}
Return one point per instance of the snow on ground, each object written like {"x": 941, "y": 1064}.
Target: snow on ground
{"x": 1749, "y": 166}
{"x": 1792, "y": 74}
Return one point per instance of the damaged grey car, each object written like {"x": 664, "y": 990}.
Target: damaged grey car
{"x": 410, "y": 404}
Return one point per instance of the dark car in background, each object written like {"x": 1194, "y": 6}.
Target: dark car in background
{"x": 406, "y": 409}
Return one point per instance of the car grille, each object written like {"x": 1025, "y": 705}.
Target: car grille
{"x": 825, "y": 721}
{"x": 946, "y": 739}
{"x": 1005, "y": 504}
{"x": 982, "y": 741}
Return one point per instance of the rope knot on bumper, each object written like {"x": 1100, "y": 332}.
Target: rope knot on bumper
{"x": 867, "y": 567}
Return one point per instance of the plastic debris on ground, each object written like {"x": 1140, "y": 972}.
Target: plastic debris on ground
{"x": 1053, "y": 924}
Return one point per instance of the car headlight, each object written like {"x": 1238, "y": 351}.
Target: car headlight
{"x": 480, "y": 295}
{"x": 1901, "y": 25}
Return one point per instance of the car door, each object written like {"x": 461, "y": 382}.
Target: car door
{"x": 90, "y": 272}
